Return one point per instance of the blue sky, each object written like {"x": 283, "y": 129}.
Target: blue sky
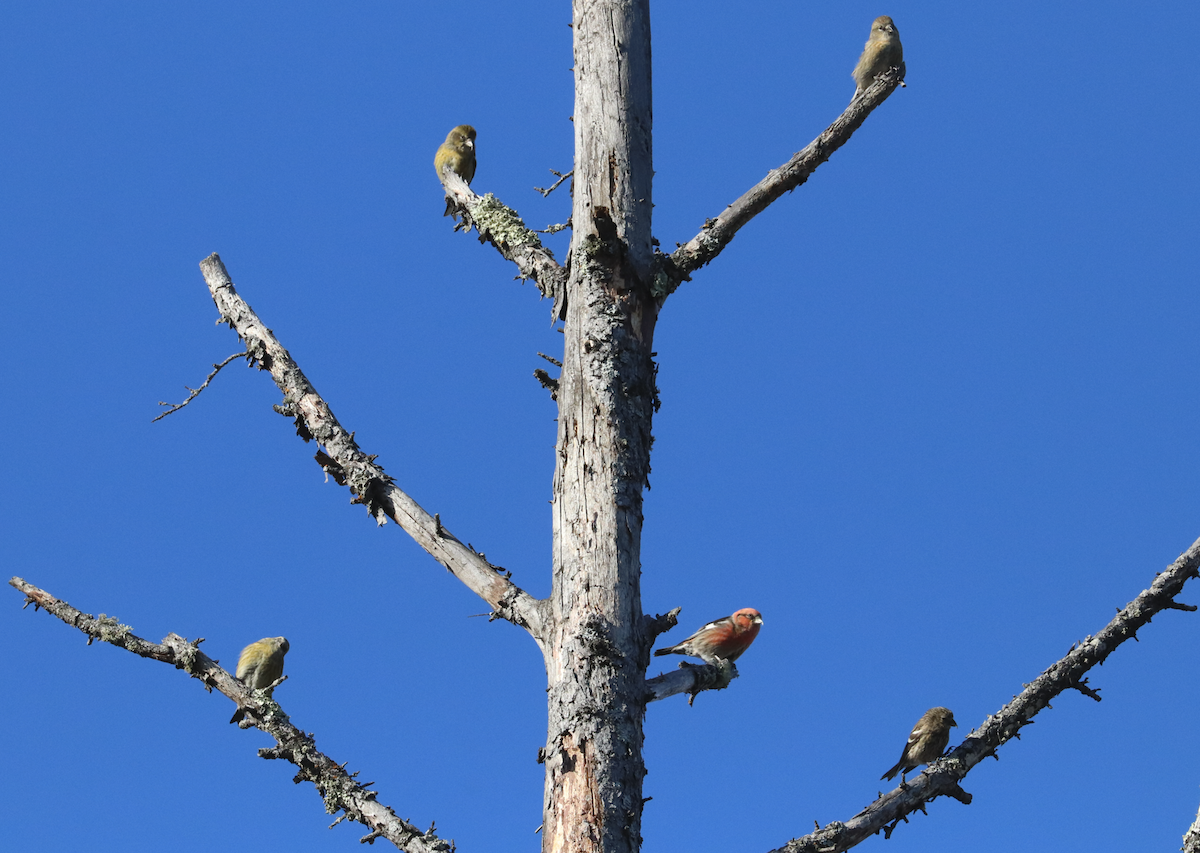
{"x": 933, "y": 413}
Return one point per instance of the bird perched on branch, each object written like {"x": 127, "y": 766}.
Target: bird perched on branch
{"x": 926, "y": 743}
{"x": 260, "y": 665}
{"x": 458, "y": 154}
{"x": 883, "y": 51}
{"x": 724, "y": 639}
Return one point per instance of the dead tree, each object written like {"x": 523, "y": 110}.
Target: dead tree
{"x": 594, "y": 637}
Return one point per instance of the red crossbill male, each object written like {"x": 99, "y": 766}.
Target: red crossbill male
{"x": 883, "y": 51}
{"x": 926, "y": 743}
{"x": 724, "y": 639}
{"x": 260, "y": 665}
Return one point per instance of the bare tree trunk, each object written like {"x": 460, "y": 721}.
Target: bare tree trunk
{"x": 598, "y": 650}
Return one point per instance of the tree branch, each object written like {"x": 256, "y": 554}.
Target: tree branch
{"x": 337, "y": 788}
{"x": 349, "y": 466}
{"x": 943, "y": 776}
{"x": 561, "y": 177}
{"x": 691, "y": 679}
{"x": 504, "y": 229}
{"x": 195, "y": 392}
{"x": 662, "y": 623}
{"x": 676, "y": 268}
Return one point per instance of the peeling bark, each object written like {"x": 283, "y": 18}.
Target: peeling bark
{"x": 598, "y": 650}
{"x": 340, "y": 790}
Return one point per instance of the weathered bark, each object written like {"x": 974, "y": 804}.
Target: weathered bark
{"x": 714, "y": 236}
{"x": 340, "y": 791}
{"x": 343, "y": 460}
{"x": 1191, "y": 838}
{"x": 501, "y": 226}
{"x": 943, "y": 776}
{"x": 592, "y": 632}
{"x": 599, "y": 647}
{"x": 691, "y": 679}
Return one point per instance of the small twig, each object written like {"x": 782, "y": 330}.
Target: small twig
{"x": 548, "y": 382}
{"x": 551, "y": 359}
{"x": 557, "y": 184}
{"x": 662, "y": 623}
{"x": 196, "y": 392}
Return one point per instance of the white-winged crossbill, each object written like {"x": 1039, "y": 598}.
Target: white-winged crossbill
{"x": 260, "y": 665}
{"x": 883, "y": 51}
{"x": 926, "y": 743}
{"x": 724, "y": 639}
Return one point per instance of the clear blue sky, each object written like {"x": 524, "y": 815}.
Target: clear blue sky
{"x": 934, "y": 413}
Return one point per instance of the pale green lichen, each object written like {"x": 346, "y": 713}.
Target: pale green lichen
{"x": 110, "y": 630}
{"x": 273, "y": 712}
{"x": 502, "y": 224}
{"x": 185, "y": 658}
{"x": 709, "y": 245}
{"x": 662, "y": 284}
{"x": 591, "y": 258}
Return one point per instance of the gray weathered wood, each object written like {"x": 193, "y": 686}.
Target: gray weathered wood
{"x": 343, "y": 460}
{"x": 503, "y": 227}
{"x": 692, "y": 679}
{"x": 339, "y": 789}
{"x": 1191, "y": 839}
{"x": 598, "y": 648}
{"x": 943, "y": 777}
{"x": 714, "y": 236}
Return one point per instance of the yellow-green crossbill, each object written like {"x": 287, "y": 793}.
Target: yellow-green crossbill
{"x": 457, "y": 152}
{"x": 926, "y": 742}
{"x": 260, "y": 665}
{"x": 883, "y": 51}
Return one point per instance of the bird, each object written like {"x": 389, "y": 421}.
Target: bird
{"x": 260, "y": 665}
{"x": 883, "y": 51}
{"x": 458, "y": 154}
{"x": 721, "y": 639}
{"x": 926, "y": 743}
